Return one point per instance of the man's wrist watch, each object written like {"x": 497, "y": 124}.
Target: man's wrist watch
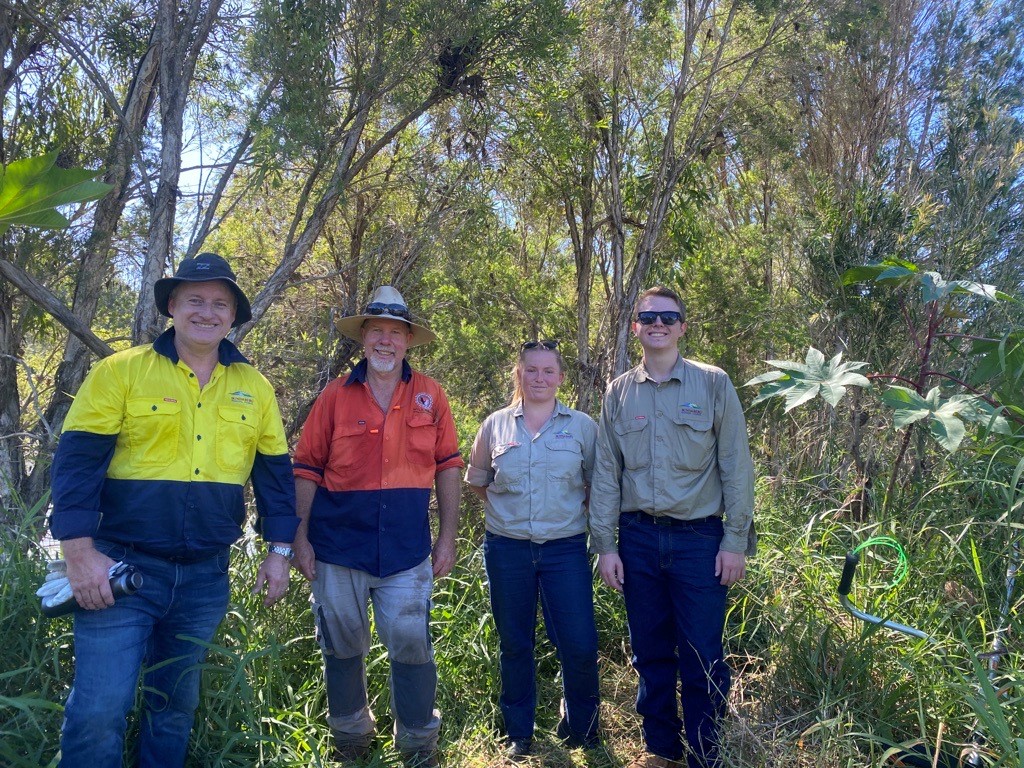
{"x": 286, "y": 552}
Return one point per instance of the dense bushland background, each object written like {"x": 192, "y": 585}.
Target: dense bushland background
{"x": 841, "y": 176}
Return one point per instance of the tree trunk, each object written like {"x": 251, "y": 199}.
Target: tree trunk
{"x": 179, "y": 45}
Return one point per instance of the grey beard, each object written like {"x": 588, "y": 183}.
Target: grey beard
{"x": 382, "y": 366}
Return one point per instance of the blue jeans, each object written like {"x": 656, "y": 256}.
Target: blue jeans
{"x": 559, "y": 571}
{"x": 675, "y": 607}
{"x": 162, "y": 627}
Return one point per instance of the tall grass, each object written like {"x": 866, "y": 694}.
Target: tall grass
{"x": 813, "y": 687}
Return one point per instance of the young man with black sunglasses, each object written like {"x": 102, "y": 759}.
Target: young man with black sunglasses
{"x": 674, "y": 479}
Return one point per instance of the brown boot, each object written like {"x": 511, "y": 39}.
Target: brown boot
{"x": 351, "y": 754}
{"x": 654, "y": 761}
{"x": 425, "y": 758}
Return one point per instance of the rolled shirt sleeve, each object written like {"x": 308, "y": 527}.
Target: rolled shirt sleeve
{"x": 479, "y": 471}
{"x": 446, "y": 451}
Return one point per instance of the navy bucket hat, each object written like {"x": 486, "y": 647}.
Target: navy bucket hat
{"x": 202, "y": 269}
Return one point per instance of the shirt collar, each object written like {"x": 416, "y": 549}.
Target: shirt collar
{"x": 358, "y": 375}
{"x": 676, "y": 372}
{"x": 561, "y": 409}
{"x": 227, "y": 353}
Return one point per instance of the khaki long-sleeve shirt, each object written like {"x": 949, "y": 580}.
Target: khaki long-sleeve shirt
{"x": 678, "y": 448}
{"x": 536, "y": 484}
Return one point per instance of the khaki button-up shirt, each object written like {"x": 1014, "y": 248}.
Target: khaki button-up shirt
{"x": 536, "y": 484}
{"x": 678, "y": 448}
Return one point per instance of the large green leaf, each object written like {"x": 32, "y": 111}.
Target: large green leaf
{"x": 32, "y": 189}
{"x": 887, "y": 269}
{"x": 945, "y": 417}
{"x": 934, "y": 287}
{"x": 800, "y": 382}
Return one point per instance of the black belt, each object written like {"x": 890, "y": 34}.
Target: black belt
{"x": 188, "y": 559}
{"x": 668, "y": 521}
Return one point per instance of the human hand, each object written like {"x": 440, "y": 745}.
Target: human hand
{"x": 610, "y": 568}
{"x": 305, "y": 560}
{"x": 273, "y": 573}
{"x": 88, "y": 574}
{"x": 730, "y": 566}
{"x": 443, "y": 557}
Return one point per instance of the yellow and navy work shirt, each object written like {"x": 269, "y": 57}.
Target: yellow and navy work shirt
{"x": 150, "y": 460}
{"x": 375, "y": 470}
{"x": 536, "y": 484}
{"x": 677, "y": 448}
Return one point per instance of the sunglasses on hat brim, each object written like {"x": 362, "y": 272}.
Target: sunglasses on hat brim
{"x": 396, "y": 310}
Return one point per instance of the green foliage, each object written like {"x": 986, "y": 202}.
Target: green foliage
{"x": 945, "y": 418}
{"x": 800, "y": 382}
{"x": 933, "y": 286}
{"x": 811, "y": 687}
{"x": 32, "y": 189}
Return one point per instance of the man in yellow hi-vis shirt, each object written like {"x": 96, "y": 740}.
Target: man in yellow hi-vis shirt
{"x": 149, "y": 471}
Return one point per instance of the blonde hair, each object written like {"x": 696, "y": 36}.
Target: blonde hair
{"x": 526, "y": 348}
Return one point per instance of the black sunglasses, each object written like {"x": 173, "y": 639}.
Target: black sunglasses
{"x": 387, "y": 309}
{"x": 668, "y": 318}
{"x": 546, "y": 344}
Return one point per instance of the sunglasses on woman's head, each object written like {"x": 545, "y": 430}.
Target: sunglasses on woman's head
{"x": 546, "y": 344}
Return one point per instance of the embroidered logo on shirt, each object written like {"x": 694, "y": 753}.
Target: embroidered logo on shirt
{"x": 563, "y": 435}
{"x": 170, "y": 400}
{"x": 424, "y": 401}
{"x": 691, "y": 409}
{"x": 638, "y": 418}
{"x": 240, "y": 397}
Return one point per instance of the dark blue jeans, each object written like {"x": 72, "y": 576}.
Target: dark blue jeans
{"x": 559, "y": 572}
{"x": 675, "y": 607}
{"x": 162, "y": 627}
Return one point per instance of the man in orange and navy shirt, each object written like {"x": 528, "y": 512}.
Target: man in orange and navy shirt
{"x": 372, "y": 448}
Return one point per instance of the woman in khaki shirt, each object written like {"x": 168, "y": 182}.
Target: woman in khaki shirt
{"x": 531, "y": 464}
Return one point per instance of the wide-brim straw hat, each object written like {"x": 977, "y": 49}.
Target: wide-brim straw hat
{"x": 387, "y": 304}
{"x": 202, "y": 269}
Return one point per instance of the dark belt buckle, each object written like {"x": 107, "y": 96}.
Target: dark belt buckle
{"x": 663, "y": 520}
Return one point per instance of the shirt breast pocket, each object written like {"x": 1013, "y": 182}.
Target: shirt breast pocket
{"x": 153, "y": 426}
{"x": 349, "y": 446}
{"x": 565, "y": 459}
{"x": 421, "y": 437}
{"x": 694, "y": 442}
{"x": 507, "y": 462}
{"x": 565, "y": 465}
{"x": 634, "y": 442}
{"x": 236, "y": 438}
